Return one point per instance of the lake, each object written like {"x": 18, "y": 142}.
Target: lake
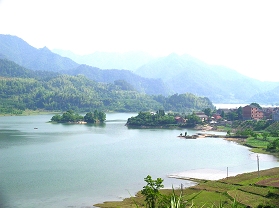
{"x": 78, "y": 165}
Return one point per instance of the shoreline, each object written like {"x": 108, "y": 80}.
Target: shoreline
{"x": 31, "y": 113}
{"x": 201, "y": 182}
{"x": 201, "y": 175}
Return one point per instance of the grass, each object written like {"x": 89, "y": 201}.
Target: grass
{"x": 256, "y": 190}
{"x": 208, "y": 199}
{"x": 246, "y": 189}
{"x": 259, "y": 145}
{"x": 32, "y": 112}
{"x": 248, "y": 199}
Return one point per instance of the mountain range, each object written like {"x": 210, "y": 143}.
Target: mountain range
{"x": 17, "y": 50}
{"x": 220, "y": 84}
{"x": 164, "y": 75}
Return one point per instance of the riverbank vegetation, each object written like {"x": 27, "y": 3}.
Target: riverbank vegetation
{"x": 255, "y": 189}
{"x": 262, "y": 136}
{"x": 71, "y": 117}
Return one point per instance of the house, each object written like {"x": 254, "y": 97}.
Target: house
{"x": 223, "y": 110}
{"x": 275, "y": 115}
{"x": 202, "y": 116}
{"x": 252, "y": 112}
{"x": 268, "y": 111}
{"x": 180, "y": 120}
{"x": 216, "y": 116}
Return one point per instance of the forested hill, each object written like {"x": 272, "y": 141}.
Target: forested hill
{"x": 11, "y": 69}
{"x": 23, "y": 89}
{"x": 20, "y": 52}
{"x": 146, "y": 85}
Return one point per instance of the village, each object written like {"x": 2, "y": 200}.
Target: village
{"x": 226, "y": 116}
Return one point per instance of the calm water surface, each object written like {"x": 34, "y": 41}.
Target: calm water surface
{"x": 72, "y": 165}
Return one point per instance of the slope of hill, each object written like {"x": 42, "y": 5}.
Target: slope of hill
{"x": 22, "y": 89}
{"x": 220, "y": 84}
{"x": 105, "y": 60}
{"x": 12, "y": 70}
{"x": 145, "y": 85}
{"x": 17, "y": 50}
{"x": 270, "y": 97}
{"x": 166, "y": 75}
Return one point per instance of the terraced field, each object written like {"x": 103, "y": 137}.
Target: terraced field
{"x": 244, "y": 190}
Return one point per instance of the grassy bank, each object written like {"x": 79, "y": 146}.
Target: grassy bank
{"x": 259, "y": 145}
{"x": 31, "y": 112}
{"x": 255, "y": 189}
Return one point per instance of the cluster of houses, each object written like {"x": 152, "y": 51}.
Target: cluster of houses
{"x": 252, "y": 112}
{"x": 249, "y": 112}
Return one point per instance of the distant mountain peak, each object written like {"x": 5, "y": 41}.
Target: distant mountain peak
{"x": 20, "y": 52}
{"x": 44, "y": 49}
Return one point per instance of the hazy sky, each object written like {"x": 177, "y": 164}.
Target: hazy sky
{"x": 243, "y": 35}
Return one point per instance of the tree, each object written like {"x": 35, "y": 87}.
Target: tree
{"x": 239, "y": 113}
{"x": 161, "y": 113}
{"x": 272, "y": 146}
{"x": 265, "y": 135}
{"x": 223, "y": 114}
{"x": 89, "y": 118}
{"x": 151, "y": 191}
{"x": 257, "y": 105}
{"x": 193, "y": 119}
{"x": 208, "y": 112}
{"x": 101, "y": 117}
{"x": 56, "y": 118}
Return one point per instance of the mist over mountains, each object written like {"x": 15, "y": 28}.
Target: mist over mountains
{"x": 17, "y": 50}
{"x": 20, "y": 52}
{"x": 219, "y": 83}
{"x": 164, "y": 75}
{"x": 105, "y": 60}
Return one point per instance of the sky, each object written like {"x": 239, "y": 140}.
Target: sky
{"x": 240, "y": 34}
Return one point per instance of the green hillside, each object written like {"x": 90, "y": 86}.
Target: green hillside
{"x": 145, "y": 85}
{"x": 23, "y": 89}
{"x": 20, "y": 52}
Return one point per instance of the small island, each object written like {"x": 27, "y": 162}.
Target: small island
{"x": 71, "y": 117}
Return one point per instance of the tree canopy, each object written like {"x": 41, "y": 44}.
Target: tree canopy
{"x": 23, "y": 89}
{"x": 152, "y": 119}
{"x": 71, "y": 116}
